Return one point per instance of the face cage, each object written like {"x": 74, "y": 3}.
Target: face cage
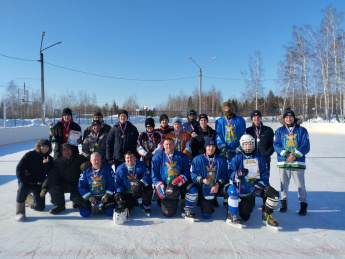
{"x": 248, "y": 150}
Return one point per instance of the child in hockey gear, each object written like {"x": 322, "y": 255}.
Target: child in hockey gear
{"x": 209, "y": 172}
{"x": 149, "y": 142}
{"x": 132, "y": 182}
{"x": 292, "y": 144}
{"x": 96, "y": 184}
{"x": 171, "y": 167}
{"x": 229, "y": 130}
{"x": 248, "y": 171}
{"x": 31, "y": 172}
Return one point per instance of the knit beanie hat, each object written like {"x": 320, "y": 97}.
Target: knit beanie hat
{"x": 254, "y": 113}
{"x": 67, "y": 111}
{"x": 149, "y": 122}
{"x": 163, "y": 117}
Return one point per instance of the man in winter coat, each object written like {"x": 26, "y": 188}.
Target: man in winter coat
{"x": 121, "y": 138}
{"x": 97, "y": 116}
{"x": 292, "y": 144}
{"x": 95, "y": 141}
{"x": 31, "y": 172}
{"x": 63, "y": 178}
{"x": 263, "y": 136}
{"x": 229, "y": 130}
{"x": 61, "y": 132}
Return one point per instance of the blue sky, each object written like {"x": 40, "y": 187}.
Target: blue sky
{"x": 142, "y": 47}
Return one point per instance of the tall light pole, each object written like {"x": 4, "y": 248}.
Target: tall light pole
{"x": 42, "y": 75}
{"x": 200, "y": 76}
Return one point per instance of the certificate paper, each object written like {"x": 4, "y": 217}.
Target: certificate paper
{"x": 73, "y": 137}
{"x": 253, "y": 167}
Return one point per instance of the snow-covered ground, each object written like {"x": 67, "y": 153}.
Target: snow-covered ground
{"x": 320, "y": 234}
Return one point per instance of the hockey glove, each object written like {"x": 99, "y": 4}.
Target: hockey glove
{"x": 180, "y": 180}
{"x": 149, "y": 156}
{"x": 242, "y": 172}
{"x": 259, "y": 189}
{"x": 160, "y": 188}
{"x": 228, "y": 153}
{"x": 120, "y": 201}
{"x": 137, "y": 189}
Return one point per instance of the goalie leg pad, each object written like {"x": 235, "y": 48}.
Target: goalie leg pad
{"x": 233, "y": 199}
{"x": 246, "y": 207}
{"x": 147, "y": 195}
{"x": 169, "y": 207}
{"x": 272, "y": 199}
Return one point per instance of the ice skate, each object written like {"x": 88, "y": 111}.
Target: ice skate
{"x": 269, "y": 221}
{"x": 120, "y": 217}
{"x": 187, "y": 213}
{"x": 234, "y": 220}
{"x": 146, "y": 210}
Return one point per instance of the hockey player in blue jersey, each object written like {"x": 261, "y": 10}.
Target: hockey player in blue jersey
{"x": 229, "y": 130}
{"x": 210, "y": 172}
{"x": 249, "y": 173}
{"x": 171, "y": 177}
{"x": 133, "y": 181}
{"x": 96, "y": 185}
{"x": 291, "y": 143}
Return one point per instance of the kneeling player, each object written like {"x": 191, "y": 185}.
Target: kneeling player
{"x": 96, "y": 186}
{"x": 171, "y": 178}
{"x": 249, "y": 173}
{"x": 209, "y": 171}
{"x": 132, "y": 181}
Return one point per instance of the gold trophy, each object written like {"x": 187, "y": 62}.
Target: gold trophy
{"x": 51, "y": 124}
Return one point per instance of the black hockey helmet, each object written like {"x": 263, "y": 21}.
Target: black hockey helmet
{"x": 172, "y": 191}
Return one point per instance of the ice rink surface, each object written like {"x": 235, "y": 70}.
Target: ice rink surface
{"x": 320, "y": 234}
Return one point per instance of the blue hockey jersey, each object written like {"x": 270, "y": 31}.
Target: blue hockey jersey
{"x": 246, "y": 184}
{"x": 296, "y": 143}
{"x": 124, "y": 178}
{"x": 165, "y": 171}
{"x": 229, "y": 136}
{"x": 97, "y": 184}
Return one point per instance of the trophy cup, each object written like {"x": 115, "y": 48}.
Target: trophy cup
{"x": 50, "y": 124}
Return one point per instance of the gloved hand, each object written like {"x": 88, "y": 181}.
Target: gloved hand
{"x": 43, "y": 192}
{"x": 178, "y": 180}
{"x": 228, "y": 153}
{"x": 120, "y": 201}
{"x": 160, "y": 188}
{"x": 259, "y": 189}
{"x": 149, "y": 156}
{"x": 85, "y": 165}
{"x": 137, "y": 189}
{"x": 242, "y": 172}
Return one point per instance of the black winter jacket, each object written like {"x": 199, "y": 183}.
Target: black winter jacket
{"x": 265, "y": 145}
{"x": 198, "y": 143}
{"x": 117, "y": 146}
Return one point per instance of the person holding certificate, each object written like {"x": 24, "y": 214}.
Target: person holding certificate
{"x": 249, "y": 174}
{"x": 63, "y": 130}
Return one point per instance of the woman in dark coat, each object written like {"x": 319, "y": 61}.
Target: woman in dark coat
{"x": 31, "y": 172}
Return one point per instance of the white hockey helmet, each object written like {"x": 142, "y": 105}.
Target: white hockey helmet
{"x": 246, "y": 138}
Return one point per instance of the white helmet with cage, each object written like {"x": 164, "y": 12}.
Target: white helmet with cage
{"x": 246, "y": 138}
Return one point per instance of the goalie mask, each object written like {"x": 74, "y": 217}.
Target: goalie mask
{"x": 247, "y": 143}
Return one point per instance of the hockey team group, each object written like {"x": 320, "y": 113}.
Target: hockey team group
{"x": 190, "y": 163}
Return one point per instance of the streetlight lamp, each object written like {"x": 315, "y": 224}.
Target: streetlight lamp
{"x": 200, "y": 76}
{"x": 42, "y": 75}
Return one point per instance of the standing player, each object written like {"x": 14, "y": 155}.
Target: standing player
{"x": 192, "y": 123}
{"x": 210, "y": 172}
{"x": 229, "y": 130}
{"x": 171, "y": 177}
{"x": 292, "y": 145}
{"x": 164, "y": 127}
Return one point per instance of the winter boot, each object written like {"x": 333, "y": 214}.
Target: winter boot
{"x": 234, "y": 218}
{"x": 187, "y": 212}
{"x": 20, "y": 211}
{"x": 29, "y": 200}
{"x": 283, "y": 206}
{"x": 303, "y": 210}
{"x": 57, "y": 209}
{"x": 269, "y": 220}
